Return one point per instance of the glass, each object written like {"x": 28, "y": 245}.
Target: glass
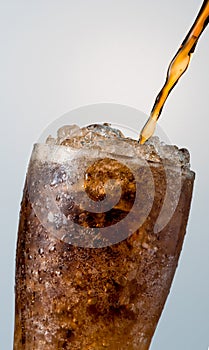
{"x": 99, "y": 239}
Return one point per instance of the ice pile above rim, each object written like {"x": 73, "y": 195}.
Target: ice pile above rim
{"x": 105, "y": 138}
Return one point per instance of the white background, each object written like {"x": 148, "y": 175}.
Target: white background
{"x": 59, "y": 55}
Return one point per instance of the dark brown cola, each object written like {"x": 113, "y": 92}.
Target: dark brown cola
{"x": 101, "y": 228}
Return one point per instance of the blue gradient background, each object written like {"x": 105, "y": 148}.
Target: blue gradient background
{"x": 59, "y": 55}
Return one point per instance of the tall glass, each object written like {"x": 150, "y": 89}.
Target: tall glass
{"x": 99, "y": 239}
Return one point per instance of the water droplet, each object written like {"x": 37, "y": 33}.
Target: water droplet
{"x": 52, "y": 248}
{"x": 41, "y": 251}
{"x": 92, "y": 301}
{"x": 58, "y": 273}
{"x": 59, "y": 176}
{"x": 145, "y": 245}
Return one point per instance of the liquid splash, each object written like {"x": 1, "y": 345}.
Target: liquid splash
{"x": 176, "y": 69}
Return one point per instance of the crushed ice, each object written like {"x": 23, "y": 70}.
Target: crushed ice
{"x": 105, "y": 137}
